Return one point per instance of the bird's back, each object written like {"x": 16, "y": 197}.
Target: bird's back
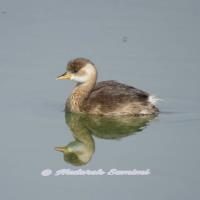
{"x": 113, "y": 98}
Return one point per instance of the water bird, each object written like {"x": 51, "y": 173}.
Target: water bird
{"x": 106, "y": 98}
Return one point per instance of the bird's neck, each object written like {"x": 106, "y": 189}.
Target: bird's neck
{"x": 79, "y": 95}
{"x": 84, "y": 144}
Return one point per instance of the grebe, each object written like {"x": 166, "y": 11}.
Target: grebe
{"x": 106, "y": 97}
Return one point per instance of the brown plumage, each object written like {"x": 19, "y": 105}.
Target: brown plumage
{"x": 75, "y": 65}
{"x": 104, "y": 98}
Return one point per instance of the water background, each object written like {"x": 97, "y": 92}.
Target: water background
{"x": 153, "y": 45}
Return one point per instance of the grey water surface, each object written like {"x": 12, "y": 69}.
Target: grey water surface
{"x": 153, "y": 45}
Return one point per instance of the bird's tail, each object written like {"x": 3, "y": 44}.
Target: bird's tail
{"x": 154, "y": 99}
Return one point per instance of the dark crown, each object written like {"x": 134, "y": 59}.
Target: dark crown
{"x": 76, "y": 64}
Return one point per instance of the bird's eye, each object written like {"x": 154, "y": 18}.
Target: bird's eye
{"x": 75, "y": 70}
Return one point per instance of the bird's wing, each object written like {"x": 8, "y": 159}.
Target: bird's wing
{"x": 112, "y": 91}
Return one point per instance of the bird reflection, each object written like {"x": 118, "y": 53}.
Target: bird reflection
{"x": 84, "y": 127}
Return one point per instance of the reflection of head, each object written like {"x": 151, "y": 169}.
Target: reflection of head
{"x": 80, "y": 151}
{"x": 73, "y": 159}
{"x": 70, "y": 155}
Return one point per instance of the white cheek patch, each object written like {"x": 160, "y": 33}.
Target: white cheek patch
{"x": 80, "y": 79}
{"x": 88, "y": 72}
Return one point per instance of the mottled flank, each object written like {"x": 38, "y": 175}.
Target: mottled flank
{"x": 113, "y": 98}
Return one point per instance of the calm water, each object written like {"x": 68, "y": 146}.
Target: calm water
{"x": 153, "y": 45}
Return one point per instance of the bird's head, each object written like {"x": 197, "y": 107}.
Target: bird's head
{"x": 80, "y": 70}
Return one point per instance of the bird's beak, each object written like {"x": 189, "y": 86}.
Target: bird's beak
{"x": 60, "y": 149}
{"x": 64, "y": 150}
{"x": 64, "y": 76}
